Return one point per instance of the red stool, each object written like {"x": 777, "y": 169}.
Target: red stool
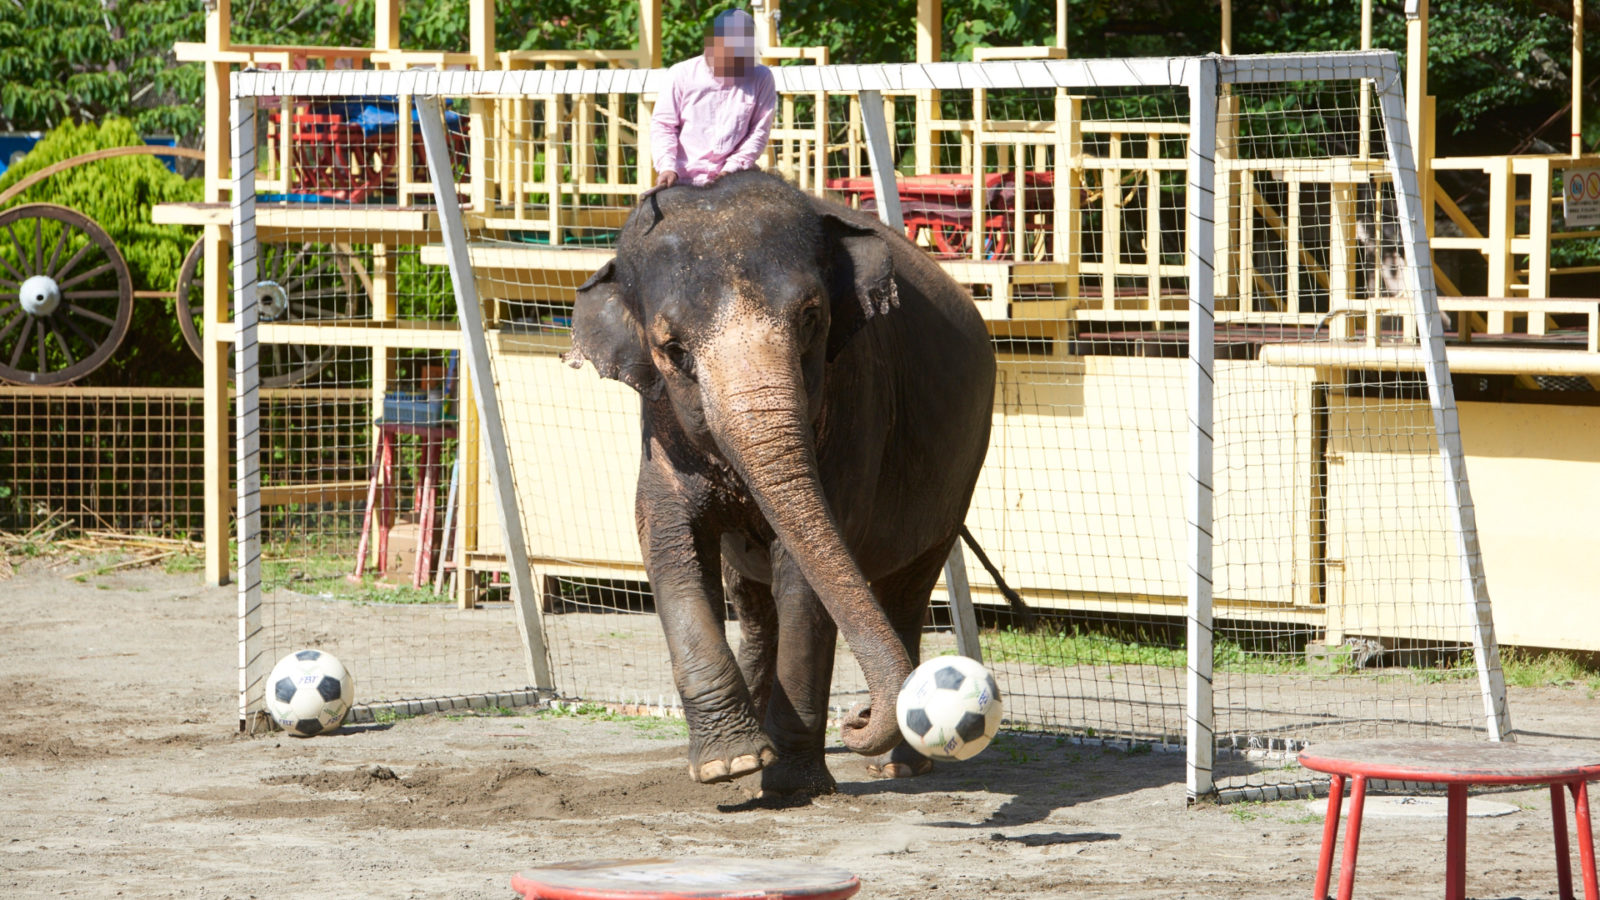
{"x": 1458, "y": 766}
{"x": 706, "y": 878}
{"x": 381, "y": 500}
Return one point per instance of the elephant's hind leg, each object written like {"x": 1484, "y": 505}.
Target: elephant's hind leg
{"x": 758, "y": 635}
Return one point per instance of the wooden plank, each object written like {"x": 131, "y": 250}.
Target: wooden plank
{"x": 515, "y": 258}
{"x": 308, "y": 217}
{"x": 1453, "y": 212}
{"x": 1476, "y": 359}
{"x": 311, "y": 494}
{"x": 402, "y": 334}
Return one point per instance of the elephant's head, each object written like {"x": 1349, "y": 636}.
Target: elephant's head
{"x": 728, "y": 303}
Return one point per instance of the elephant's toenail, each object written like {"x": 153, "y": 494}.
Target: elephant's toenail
{"x": 744, "y": 765}
{"x": 713, "y": 770}
{"x": 768, "y": 757}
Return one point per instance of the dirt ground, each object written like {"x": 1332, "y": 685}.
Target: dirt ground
{"x": 121, "y": 775}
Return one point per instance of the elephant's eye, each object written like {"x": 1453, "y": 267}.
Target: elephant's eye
{"x": 810, "y": 321}
{"x": 679, "y": 356}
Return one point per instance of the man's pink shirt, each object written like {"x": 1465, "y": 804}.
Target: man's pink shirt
{"x": 705, "y": 126}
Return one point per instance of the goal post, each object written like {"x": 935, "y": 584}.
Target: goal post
{"x": 1225, "y": 472}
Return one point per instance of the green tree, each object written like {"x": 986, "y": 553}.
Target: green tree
{"x": 85, "y": 60}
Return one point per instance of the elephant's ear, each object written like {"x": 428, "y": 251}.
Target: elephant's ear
{"x": 606, "y": 332}
{"x": 862, "y": 284}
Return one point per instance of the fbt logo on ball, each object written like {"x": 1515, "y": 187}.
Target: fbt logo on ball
{"x": 309, "y": 692}
{"x": 949, "y": 708}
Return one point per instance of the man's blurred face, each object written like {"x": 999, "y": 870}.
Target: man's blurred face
{"x": 730, "y": 50}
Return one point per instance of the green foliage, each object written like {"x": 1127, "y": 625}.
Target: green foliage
{"x": 1498, "y": 69}
{"x": 118, "y": 195}
{"x": 1071, "y": 648}
{"x": 1529, "y": 668}
{"x": 85, "y": 60}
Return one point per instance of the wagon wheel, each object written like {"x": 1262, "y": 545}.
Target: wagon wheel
{"x": 65, "y": 295}
{"x": 294, "y": 283}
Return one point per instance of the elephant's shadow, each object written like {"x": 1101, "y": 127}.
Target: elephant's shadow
{"x": 1039, "y": 774}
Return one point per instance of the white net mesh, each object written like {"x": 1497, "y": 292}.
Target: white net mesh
{"x": 1063, "y": 205}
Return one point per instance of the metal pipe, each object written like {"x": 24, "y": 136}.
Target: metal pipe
{"x": 1478, "y": 360}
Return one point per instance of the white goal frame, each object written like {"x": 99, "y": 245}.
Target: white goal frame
{"x": 1205, "y": 78}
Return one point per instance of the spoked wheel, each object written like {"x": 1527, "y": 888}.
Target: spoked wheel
{"x": 65, "y": 295}
{"x": 294, "y": 283}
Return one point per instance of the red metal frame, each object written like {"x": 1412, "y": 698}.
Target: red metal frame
{"x": 381, "y": 504}
{"x": 1458, "y": 766}
{"x": 333, "y": 158}
{"x": 941, "y": 204}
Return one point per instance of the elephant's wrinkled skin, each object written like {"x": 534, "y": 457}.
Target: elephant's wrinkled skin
{"x": 816, "y": 406}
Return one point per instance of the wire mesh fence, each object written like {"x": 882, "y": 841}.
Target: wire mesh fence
{"x": 125, "y": 459}
{"x": 1067, "y": 207}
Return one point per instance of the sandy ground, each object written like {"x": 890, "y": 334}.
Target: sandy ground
{"x": 121, "y": 775}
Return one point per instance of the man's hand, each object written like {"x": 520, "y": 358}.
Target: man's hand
{"x": 665, "y": 180}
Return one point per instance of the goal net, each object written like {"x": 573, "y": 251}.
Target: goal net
{"x": 1225, "y": 474}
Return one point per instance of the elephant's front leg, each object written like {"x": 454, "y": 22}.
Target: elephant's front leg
{"x": 725, "y": 738}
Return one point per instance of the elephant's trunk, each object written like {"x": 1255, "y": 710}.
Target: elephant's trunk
{"x": 756, "y": 407}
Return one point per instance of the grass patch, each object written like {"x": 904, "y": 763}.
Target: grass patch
{"x": 1089, "y": 648}
{"x": 657, "y": 727}
{"x": 326, "y": 575}
{"x": 388, "y": 715}
{"x": 1245, "y": 811}
{"x": 488, "y": 712}
{"x": 1547, "y": 668}
{"x": 184, "y": 563}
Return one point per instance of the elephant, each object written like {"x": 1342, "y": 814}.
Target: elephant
{"x": 816, "y": 398}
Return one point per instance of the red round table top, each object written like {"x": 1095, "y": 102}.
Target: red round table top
{"x": 1453, "y": 762}
{"x": 702, "y": 878}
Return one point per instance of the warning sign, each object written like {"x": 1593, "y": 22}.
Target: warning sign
{"x": 1581, "y": 193}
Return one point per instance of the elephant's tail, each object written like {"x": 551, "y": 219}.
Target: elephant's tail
{"x": 1018, "y": 607}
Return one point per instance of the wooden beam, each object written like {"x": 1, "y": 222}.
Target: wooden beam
{"x": 386, "y": 25}
{"x": 767, "y": 15}
{"x": 1454, "y": 213}
{"x": 650, "y": 32}
{"x": 481, "y": 34}
{"x": 1419, "y": 112}
{"x": 930, "y": 49}
{"x": 1284, "y": 231}
{"x": 1577, "y": 78}
{"x": 219, "y": 24}
{"x": 214, "y": 429}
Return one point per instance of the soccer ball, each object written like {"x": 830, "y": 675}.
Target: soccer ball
{"x": 309, "y": 692}
{"x": 949, "y": 708}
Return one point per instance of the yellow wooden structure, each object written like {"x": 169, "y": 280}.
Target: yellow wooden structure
{"x": 1028, "y": 296}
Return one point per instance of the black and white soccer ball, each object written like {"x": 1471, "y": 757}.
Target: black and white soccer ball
{"x": 949, "y": 708}
{"x": 309, "y": 692}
